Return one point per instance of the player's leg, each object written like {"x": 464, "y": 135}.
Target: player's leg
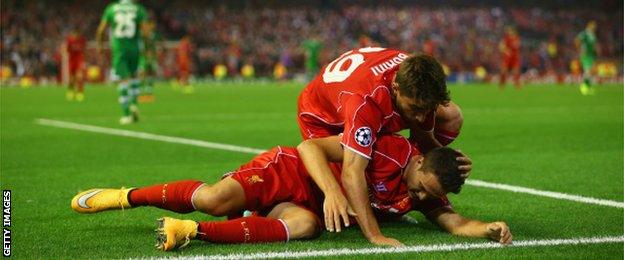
{"x": 79, "y": 77}
{"x": 286, "y": 221}
{"x": 503, "y": 75}
{"x": 122, "y": 75}
{"x": 587, "y": 64}
{"x": 225, "y": 197}
{"x": 134, "y": 91}
{"x": 124, "y": 101}
{"x": 516, "y": 72}
{"x": 70, "y": 94}
{"x": 448, "y": 123}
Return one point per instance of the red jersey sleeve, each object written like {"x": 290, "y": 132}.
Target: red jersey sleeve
{"x": 363, "y": 120}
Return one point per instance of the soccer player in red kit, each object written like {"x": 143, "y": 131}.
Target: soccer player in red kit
{"x": 370, "y": 91}
{"x": 183, "y": 59}
{"x": 74, "y": 48}
{"x": 510, "y": 51}
{"x": 277, "y": 186}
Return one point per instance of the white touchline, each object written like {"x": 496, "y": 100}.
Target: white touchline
{"x": 242, "y": 149}
{"x": 147, "y": 136}
{"x": 549, "y": 194}
{"x": 409, "y": 249}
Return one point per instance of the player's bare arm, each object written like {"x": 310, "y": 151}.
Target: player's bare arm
{"x": 315, "y": 155}
{"x": 354, "y": 183}
{"x": 458, "y": 225}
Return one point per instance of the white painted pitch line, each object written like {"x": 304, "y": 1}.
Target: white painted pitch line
{"x": 408, "y": 249}
{"x": 147, "y": 136}
{"x": 242, "y": 149}
{"x": 549, "y": 194}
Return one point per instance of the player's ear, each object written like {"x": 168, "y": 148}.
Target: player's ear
{"x": 418, "y": 160}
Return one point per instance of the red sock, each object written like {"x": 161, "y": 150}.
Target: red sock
{"x": 174, "y": 196}
{"x": 244, "y": 230}
{"x": 445, "y": 137}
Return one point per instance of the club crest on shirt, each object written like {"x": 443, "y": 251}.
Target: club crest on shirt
{"x": 253, "y": 179}
{"x": 364, "y": 136}
{"x": 379, "y": 187}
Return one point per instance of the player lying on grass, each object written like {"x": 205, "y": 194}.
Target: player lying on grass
{"x": 288, "y": 204}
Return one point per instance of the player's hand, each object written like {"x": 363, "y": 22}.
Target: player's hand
{"x": 499, "y": 231}
{"x": 465, "y": 164}
{"x": 336, "y": 207}
{"x": 381, "y": 240}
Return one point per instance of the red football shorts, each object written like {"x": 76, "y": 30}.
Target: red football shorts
{"x": 511, "y": 62}
{"x": 75, "y": 66}
{"x": 277, "y": 176}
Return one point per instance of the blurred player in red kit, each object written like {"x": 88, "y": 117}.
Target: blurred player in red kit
{"x": 510, "y": 50}
{"x": 74, "y": 48}
{"x": 183, "y": 58}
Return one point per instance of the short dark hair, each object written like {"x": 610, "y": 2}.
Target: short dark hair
{"x": 443, "y": 163}
{"x": 422, "y": 78}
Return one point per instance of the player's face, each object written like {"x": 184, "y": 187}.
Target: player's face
{"x": 423, "y": 185}
{"x": 410, "y": 109}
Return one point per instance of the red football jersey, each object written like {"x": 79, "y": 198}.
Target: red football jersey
{"x": 512, "y": 43}
{"x": 184, "y": 51}
{"x": 388, "y": 192}
{"x": 76, "y": 46}
{"x": 352, "y": 96}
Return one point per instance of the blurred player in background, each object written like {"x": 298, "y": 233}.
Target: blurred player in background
{"x": 585, "y": 42}
{"x": 510, "y": 50}
{"x": 74, "y": 49}
{"x": 148, "y": 62}
{"x": 312, "y": 49}
{"x": 184, "y": 58}
{"x": 126, "y": 20}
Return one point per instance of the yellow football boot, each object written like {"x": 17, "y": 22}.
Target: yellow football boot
{"x": 96, "y": 200}
{"x": 174, "y": 233}
{"x": 79, "y": 97}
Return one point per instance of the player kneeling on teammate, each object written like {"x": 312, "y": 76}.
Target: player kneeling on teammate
{"x": 287, "y": 202}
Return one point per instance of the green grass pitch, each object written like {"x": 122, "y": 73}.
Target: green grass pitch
{"x": 546, "y": 137}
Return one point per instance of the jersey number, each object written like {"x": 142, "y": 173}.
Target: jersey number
{"x": 333, "y": 71}
{"x": 125, "y": 25}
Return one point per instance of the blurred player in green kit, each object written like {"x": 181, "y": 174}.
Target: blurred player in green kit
{"x": 126, "y": 20}
{"x": 312, "y": 48}
{"x": 148, "y": 62}
{"x": 586, "y": 43}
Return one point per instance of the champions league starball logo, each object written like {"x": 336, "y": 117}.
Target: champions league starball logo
{"x": 363, "y": 136}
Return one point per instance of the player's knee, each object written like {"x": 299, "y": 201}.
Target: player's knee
{"x": 211, "y": 200}
{"x": 304, "y": 226}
